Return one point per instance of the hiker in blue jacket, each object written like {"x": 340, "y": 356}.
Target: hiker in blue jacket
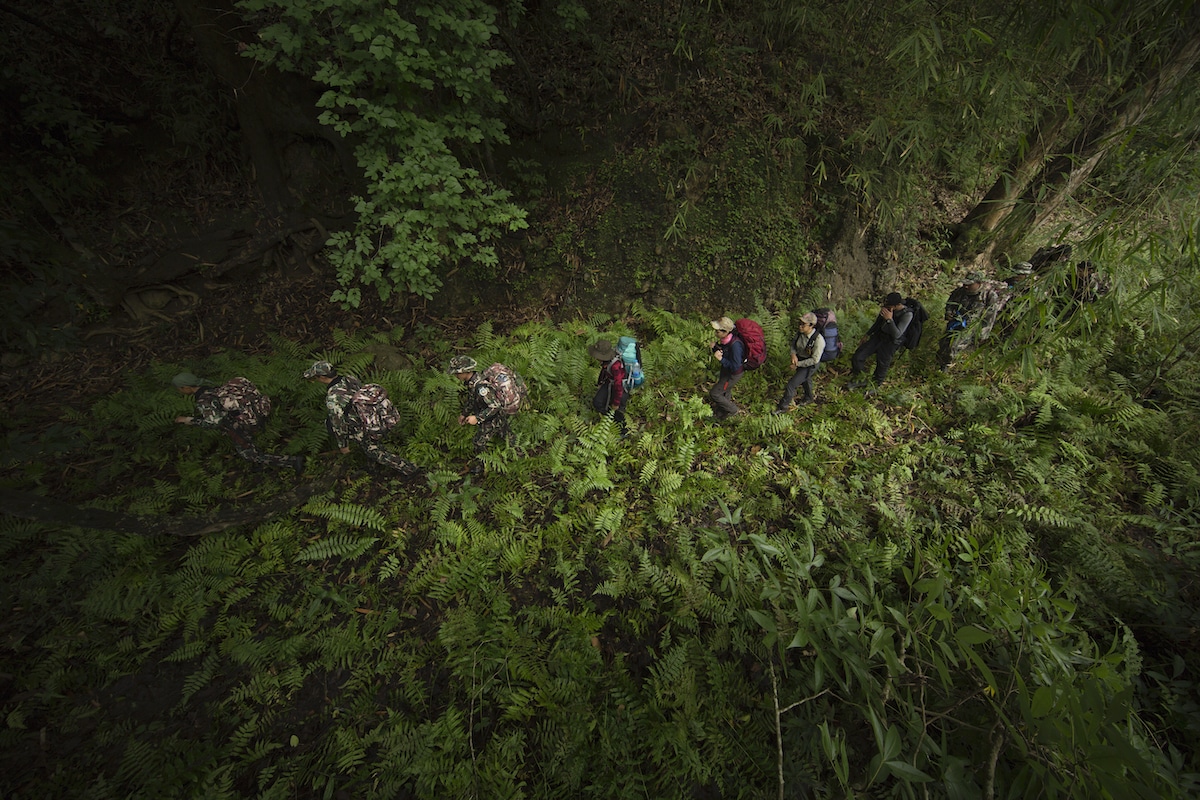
{"x": 883, "y": 339}
{"x": 807, "y": 349}
{"x": 730, "y": 352}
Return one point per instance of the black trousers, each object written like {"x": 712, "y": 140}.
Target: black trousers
{"x": 884, "y": 351}
{"x": 801, "y": 377}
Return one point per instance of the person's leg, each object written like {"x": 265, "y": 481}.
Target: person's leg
{"x": 243, "y": 442}
{"x": 945, "y": 354}
{"x": 793, "y": 385}
{"x": 619, "y": 413}
{"x": 721, "y": 394}
{"x": 484, "y": 433}
{"x": 807, "y": 384}
{"x": 883, "y": 360}
{"x": 374, "y": 450}
{"x": 859, "y": 362}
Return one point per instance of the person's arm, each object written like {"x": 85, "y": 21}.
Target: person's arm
{"x": 898, "y": 324}
{"x": 733, "y": 356}
{"x": 209, "y": 413}
{"x": 336, "y": 401}
{"x": 487, "y": 404}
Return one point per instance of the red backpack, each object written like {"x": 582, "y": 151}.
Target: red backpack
{"x": 751, "y": 334}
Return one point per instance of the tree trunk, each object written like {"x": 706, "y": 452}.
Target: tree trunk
{"x": 1026, "y": 197}
{"x": 273, "y": 108}
{"x": 1002, "y": 197}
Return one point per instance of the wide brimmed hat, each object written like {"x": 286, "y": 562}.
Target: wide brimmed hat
{"x": 602, "y": 350}
{"x": 186, "y": 379}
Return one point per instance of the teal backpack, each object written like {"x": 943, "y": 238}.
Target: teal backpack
{"x": 631, "y": 356}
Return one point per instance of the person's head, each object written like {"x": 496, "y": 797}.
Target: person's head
{"x": 602, "y": 350}
{"x": 974, "y": 281}
{"x": 186, "y": 383}
{"x": 321, "y": 371}
{"x": 462, "y": 367}
{"x": 723, "y": 326}
{"x": 894, "y": 301}
{"x": 808, "y": 322}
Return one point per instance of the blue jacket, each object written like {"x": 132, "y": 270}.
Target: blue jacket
{"x": 733, "y": 358}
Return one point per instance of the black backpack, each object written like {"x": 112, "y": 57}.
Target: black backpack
{"x": 912, "y": 336}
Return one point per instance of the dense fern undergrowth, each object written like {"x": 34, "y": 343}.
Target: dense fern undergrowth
{"x": 972, "y": 584}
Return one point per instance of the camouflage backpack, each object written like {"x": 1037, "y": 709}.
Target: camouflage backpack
{"x": 374, "y": 409}
{"x": 241, "y": 400}
{"x": 510, "y": 389}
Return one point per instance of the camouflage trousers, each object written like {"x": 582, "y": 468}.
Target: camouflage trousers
{"x": 488, "y": 429}
{"x": 243, "y": 442}
{"x": 373, "y": 448}
{"x": 953, "y": 344}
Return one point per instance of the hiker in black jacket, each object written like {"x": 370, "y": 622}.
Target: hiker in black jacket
{"x": 883, "y": 339}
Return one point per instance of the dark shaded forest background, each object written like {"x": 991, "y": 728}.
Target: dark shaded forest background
{"x": 979, "y": 585}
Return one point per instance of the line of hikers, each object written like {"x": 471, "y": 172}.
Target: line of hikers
{"x": 356, "y": 412}
{"x": 363, "y": 413}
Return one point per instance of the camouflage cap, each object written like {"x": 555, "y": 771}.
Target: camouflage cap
{"x": 185, "y": 379}
{"x": 975, "y": 277}
{"x": 461, "y": 364}
{"x": 320, "y": 369}
{"x": 1024, "y": 268}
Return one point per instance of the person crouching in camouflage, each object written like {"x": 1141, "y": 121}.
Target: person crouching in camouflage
{"x": 361, "y": 414}
{"x": 971, "y": 312}
{"x": 483, "y": 407}
{"x": 239, "y": 409}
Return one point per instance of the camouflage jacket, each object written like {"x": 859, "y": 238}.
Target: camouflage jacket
{"x": 963, "y": 308}
{"x": 237, "y": 405}
{"x": 337, "y": 401}
{"x": 482, "y": 401}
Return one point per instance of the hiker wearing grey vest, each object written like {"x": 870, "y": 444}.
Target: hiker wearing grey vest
{"x": 807, "y": 349}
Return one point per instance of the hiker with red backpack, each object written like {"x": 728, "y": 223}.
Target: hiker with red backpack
{"x": 808, "y": 350}
{"x": 493, "y": 395}
{"x": 883, "y": 340}
{"x": 360, "y": 413}
{"x": 740, "y": 346}
{"x": 239, "y": 409}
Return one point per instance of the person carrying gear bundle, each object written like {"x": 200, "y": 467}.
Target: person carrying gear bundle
{"x": 362, "y": 414}
{"x": 238, "y": 409}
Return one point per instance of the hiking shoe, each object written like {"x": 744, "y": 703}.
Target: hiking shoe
{"x": 803, "y": 401}
{"x": 779, "y": 411}
{"x": 856, "y": 384}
